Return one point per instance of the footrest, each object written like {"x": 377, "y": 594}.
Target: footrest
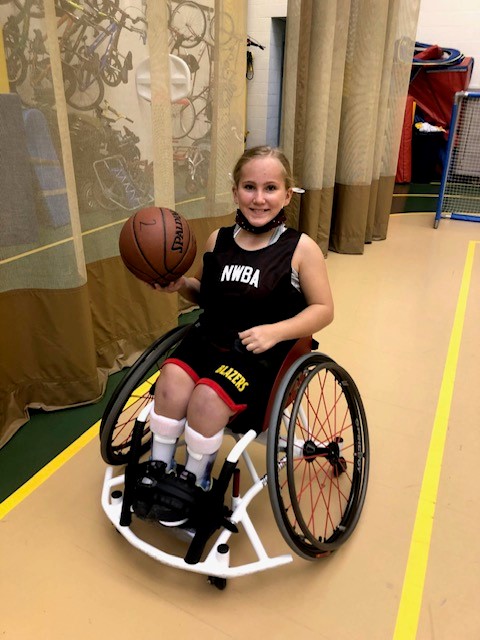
{"x": 164, "y": 496}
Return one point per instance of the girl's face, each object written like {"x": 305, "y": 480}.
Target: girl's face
{"x": 261, "y": 190}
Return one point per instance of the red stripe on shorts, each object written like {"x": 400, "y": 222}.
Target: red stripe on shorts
{"x": 183, "y": 365}
{"x": 237, "y": 408}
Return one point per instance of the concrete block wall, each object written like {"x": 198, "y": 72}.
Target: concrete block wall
{"x": 264, "y": 90}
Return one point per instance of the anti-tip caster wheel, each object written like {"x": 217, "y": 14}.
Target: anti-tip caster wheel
{"x": 220, "y": 583}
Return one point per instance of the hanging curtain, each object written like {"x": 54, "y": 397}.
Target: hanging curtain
{"x": 106, "y": 106}
{"x": 347, "y": 71}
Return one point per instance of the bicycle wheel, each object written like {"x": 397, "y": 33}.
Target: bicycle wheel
{"x": 42, "y": 82}
{"x": 17, "y": 65}
{"x": 188, "y": 23}
{"x": 89, "y": 88}
{"x": 131, "y": 396}
{"x": 317, "y": 456}
{"x": 203, "y": 116}
{"x": 112, "y": 71}
{"x": 226, "y": 28}
{"x": 183, "y": 118}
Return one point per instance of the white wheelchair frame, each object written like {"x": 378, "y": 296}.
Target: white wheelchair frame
{"x": 286, "y": 413}
{"x": 217, "y": 561}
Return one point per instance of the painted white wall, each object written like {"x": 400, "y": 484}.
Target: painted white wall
{"x": 454, "y": 24}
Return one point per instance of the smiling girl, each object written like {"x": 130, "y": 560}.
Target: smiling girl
{"x": 261, "y": 286}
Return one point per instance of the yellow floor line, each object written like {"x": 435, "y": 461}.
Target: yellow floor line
{"x": 41, "y": 476}
{"x": 44, "y": 474}
{"x": 412, "y": 592}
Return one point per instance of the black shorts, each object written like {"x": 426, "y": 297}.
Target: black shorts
{"x": 242, "y": 379}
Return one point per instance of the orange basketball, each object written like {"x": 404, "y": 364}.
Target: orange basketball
{"x": 157, "y": 245}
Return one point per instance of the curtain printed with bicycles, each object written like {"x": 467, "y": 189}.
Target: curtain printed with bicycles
{"x": 347, "y": 67}
{"x": 106, "y": 106}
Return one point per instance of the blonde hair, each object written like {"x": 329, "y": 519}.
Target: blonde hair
{"x": 264, "y": 152}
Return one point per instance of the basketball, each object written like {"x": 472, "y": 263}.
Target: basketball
{"x": 157, "y": 245}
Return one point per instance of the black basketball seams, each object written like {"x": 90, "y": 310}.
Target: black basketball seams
{"x": 141, "y": 239}
{"x": 137, "y": 244}
{"x": 164, "y": 238}
{"x": 138, "y": 272}
{"x": 168, "y": 245}
{"x": 185, "y": 252}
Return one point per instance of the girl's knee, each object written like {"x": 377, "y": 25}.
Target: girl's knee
{"x": 173, "y": 388}
{"x": 207, "y": 412}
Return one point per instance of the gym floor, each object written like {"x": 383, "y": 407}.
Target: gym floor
{"x": 406, "y": 328}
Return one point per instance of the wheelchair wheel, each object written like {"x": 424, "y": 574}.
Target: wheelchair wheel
{"x": 317, "y": 456}
{"x": 131, "y": 396}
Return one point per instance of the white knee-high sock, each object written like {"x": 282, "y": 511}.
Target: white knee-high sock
{"x": 166, "y": 432}
{"x": 202, "y": 452}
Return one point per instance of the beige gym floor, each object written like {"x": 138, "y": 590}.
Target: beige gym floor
{"x": 407, "y": 329}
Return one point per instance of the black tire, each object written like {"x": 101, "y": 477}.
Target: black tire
{"x": 112, "y": 72}
{"x": 317, "y": 456}
{"x": 219, "y": 583}
{"x": 189, "y": 24}
{"x": 88, "y": 87}
{"x": 131, "y": 396}
{"x": 17, "y": 65}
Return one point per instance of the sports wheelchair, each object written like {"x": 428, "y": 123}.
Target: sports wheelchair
{"x": 317, "y": 463}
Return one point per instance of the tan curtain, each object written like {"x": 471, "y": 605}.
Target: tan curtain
{"x": 347, "y": 71}
{"x": 106, "y": 106}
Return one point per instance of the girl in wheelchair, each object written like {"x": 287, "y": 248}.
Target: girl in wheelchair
{"x": 262, "y": 285}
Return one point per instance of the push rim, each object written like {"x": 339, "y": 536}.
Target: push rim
{"x": 318, "y": 456}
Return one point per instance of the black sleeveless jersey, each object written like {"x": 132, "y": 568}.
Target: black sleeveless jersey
{"x": 242, "y": 289}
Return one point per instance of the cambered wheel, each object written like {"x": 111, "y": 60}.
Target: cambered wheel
{"x": 317, "y": 456}
{"x": 131, "y": 396}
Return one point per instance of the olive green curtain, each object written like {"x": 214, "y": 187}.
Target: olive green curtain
{"x": 106, "y": 106}
{"x": 347, "y": 71}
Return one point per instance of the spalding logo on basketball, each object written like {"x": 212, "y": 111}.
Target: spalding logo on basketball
{"x": 157, "y": 245}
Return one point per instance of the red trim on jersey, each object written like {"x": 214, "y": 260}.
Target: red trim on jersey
{"x": 223, "y": 395}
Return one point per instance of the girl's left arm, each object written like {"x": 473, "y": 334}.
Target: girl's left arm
{"x": 308, "y": 260}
